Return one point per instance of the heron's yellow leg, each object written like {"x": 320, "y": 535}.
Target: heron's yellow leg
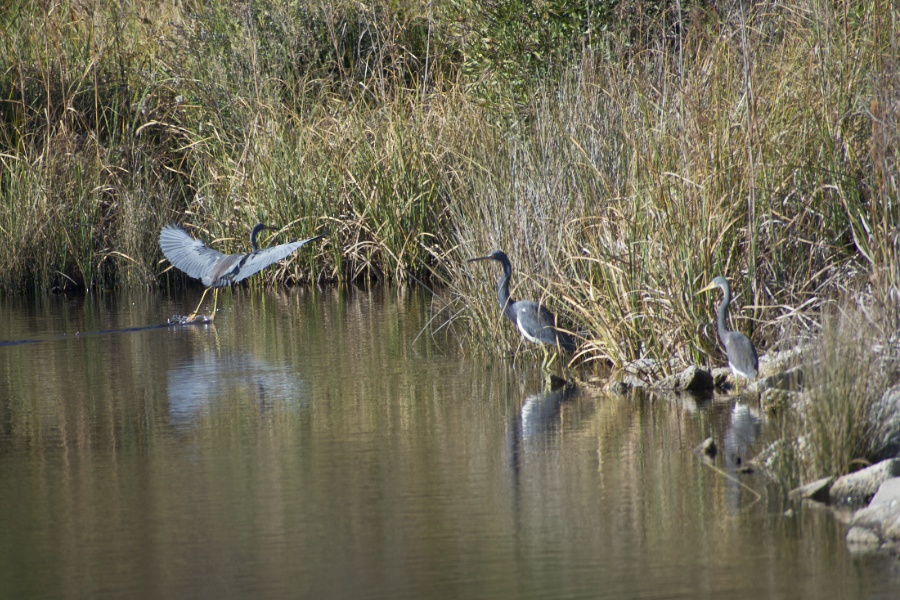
{"x": 215, "y": 301}
{"x": 194, "y": 314}
{"x": 549, "y": 358}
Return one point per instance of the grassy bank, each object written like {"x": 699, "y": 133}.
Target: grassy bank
{"x": 117, "y": 120}
{"x": 622, "y": 158}
{"x": 842, "y": 420}
{"x": 763, "y": 152}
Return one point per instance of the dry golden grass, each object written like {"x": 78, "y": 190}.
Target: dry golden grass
{"x": 740, "y": 149}
{"x": 762, "y": 146}
{"x": 841, "y": 423}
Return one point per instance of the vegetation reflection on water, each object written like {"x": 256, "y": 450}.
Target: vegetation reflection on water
{"x": 316, "y": 445}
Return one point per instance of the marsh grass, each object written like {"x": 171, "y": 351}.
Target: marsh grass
{"x": 120, "y": 119}
{"x": 619, "y": 173}
{"x": 738, "y": 149}
{"x": 839, "y": 427}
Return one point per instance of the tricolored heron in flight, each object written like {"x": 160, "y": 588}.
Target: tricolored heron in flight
{"x": 216, "y": 269}
{"x": 738, "y": 348}
{"x": 535, "y": 322}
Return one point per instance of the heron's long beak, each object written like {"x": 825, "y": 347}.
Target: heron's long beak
{"x": 481, "y": 258}
{"x": 711, "y": 286}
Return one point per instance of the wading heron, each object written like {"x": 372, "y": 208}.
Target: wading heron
{"x": 738, "y": 348}
{"x": 535, "y": 322}
{"x": 216, "y": 269}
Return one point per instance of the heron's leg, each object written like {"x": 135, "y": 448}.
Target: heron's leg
{"x": 548, "y": 358}
{"x": 194, "y": 314}
{"x": 215, "y": 302}
{"x": 737, "y": 380}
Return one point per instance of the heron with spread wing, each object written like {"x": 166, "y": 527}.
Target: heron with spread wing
{"x": 215, "y": 269}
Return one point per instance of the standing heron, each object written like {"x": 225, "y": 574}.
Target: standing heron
{"x": 216, "y": 269}
{"x": 738, "y": 348}
{"x": 535, "y": 322}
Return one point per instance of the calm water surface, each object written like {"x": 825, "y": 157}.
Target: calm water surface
{"x": 313, "y": 444}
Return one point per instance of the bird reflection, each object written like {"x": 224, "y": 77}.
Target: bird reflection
{"x": 540, "y": 412}
{"x": 740, "y": 437}
{"x": 210, "y": 378}
{"x": 533, "y": 425}
{"x": 743, "y": 430}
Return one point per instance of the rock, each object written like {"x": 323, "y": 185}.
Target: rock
{"x": 556, "y": 382}
{"x": 873, "y": 517}
{"x": 644, "y": 367}
{"x": 892, "y": 530}
{"x": 888, "y": 492}
{"x": 625, "y": 385}
{"x": 886, "y": 412}
{"x": 724, "y": 378}
{"x": 634, "y": 381}
{"x": 816, "y": 490}
{"x": 773, "y": 362}
{"x": 860, "y": 487}
{"x": 790, "y": 380}
{"x": 721, "y": 376}
{"x": 774, "y": 400}
{"x": 707, "y": 447}
{"x": 189, "y": 320}
{"x": 879, "y": 521}
{"x": 619, "y": 388}
{"x": 691, "y": 379}
{"x": 769, "y": 455}
{"x": 860, "y": 539}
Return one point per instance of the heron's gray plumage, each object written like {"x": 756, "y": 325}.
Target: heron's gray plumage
{"x": 215, "y": 269}
{"x": 212, "y": 267}
{"x": 739, "y": 349}
{"x": 188, "y": 254}
{"x": 535, "y": 322}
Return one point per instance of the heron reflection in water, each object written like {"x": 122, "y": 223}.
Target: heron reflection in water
{"x": 738, "y": 348}
{"x": 215, "y": 269}
{"x": 535, "y": 322}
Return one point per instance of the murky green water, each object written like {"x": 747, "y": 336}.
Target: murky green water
{"x": 315, "y": 445}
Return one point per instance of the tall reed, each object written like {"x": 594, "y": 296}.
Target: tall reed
{"x": 621, "y": 169}
{"x": 736, "y": 148}
{"x": 842, "y": 423}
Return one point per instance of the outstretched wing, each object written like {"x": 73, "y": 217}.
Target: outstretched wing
{"x": 187, "y": 254}
{"x": 259, "y": 260}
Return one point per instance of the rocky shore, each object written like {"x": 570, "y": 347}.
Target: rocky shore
{"x": 867, "y": 501}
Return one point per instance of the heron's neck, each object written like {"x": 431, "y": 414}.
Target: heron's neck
{"x": 723, "y": 314}
{"x": 503, "y": 286}
{"x": 256, "y": 229}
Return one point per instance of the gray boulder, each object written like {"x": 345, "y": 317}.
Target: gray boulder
{"x": 691, "y": 379}
{"x": 790, "y": 380}
{"x": 886, "y": 413}
{"x": 860, "y": 487}
{"x": 816, "y": 490}
{"x": 878, "y": 523}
